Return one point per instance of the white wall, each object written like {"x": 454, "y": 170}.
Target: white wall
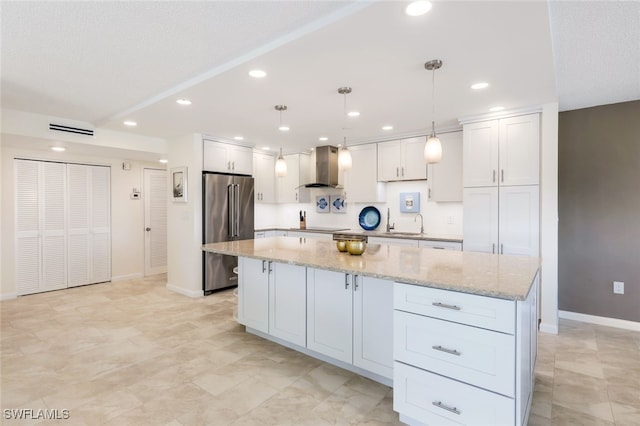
{"x": 436, "y": 215}
{"x": 127, "y": 216}
{"x": 184, "y": 220}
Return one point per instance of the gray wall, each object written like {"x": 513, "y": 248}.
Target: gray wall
{"x": 599, "y": 209}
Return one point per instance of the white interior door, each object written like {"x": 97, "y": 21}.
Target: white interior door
{"x": 155, "y": 221}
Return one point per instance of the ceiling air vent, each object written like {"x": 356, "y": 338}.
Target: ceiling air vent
{"x": 68, "y": 129}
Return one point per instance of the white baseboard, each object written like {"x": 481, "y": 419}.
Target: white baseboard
{"x": 548, "y": 328}
{"x": 8, "y": 296}
{"x": 135, "y": 276}
{"x": 184, "y": 291}
{"x": 593, "y": 319}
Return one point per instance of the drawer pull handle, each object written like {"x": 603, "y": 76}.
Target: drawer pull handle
{"x": 444, "y": 305}
{"x": 439, "y": 404}
{"x": 449, "y": 351}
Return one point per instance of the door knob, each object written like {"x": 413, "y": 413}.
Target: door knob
{"x": 148, "y": 229}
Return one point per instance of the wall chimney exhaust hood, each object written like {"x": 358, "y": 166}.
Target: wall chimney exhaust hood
{"x": 326, "y": 168}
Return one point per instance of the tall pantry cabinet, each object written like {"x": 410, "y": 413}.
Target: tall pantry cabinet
{"x": 62, "y": 225}
{"x": 501, "y": 177}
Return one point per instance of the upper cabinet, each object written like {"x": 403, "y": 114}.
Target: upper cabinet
{"x": 227, "y": 158}
{"x": 361, "y": 182}
{"x": 402, "y": 160}
{"x": 445, "y": 177}
{"x": 502, "y": 152}
{"x": 288, "y": 188}
{"x": 265, "y": 178}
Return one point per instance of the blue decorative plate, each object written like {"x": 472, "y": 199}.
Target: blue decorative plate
{"x": 369, "y": 218}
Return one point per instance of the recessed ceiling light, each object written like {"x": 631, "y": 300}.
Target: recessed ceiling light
{"x": 238, "y": 138}
{"x": 313, "y": 149}
{"x": 323, "y": 138}
{"x": 387, "y": 127}
{"x": 58, "y": 148}
{"x": 283, "y": 128}
{"x": 184, "y": 101}
{"x": 478, "y": 86}
{"x": 257, "y": 73}
{"x": 163, "y": 160}
{"x": 130, "y": 123}
{"x": 417, "y": 8}
{"x": 266, "y": 148}
{"x": 353, "y": 113}
{"x": 496, "y": 108}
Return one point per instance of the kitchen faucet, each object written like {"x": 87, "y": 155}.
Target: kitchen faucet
{"x": 421, "y": 222}
{"x": 389, "y": 226}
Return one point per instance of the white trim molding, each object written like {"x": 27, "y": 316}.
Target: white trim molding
{"x": 8, "y": 296}
{"x": 134, "y": 276}
{"x": 549, "y": 328}
{"x": 184, "y": 291}
{"x": 606, "y": 321}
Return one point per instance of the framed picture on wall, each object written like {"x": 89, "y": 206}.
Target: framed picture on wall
{"x": 179, "y": 184}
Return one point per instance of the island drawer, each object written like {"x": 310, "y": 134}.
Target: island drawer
{"x": 479, "y": 357}
{"x": 433, "y": 399}
{"x": 478, "y": 311}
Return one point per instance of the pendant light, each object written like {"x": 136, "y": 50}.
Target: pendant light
{"x": 433, "y": 148}
{"x": 344, "y": 156}
{"x": 281, "y": 165}
{"x": 282, "y": 127}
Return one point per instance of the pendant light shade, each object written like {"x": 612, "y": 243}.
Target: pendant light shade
{"x": 433, "y": 148}
{"x": 344, "y": 157}
{"x": 281, "y": 165}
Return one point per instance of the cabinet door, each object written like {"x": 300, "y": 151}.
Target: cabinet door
{"x": 361, "y": 182}
{"x": 480, "y": 154}
{"x": 519, "y": 220}
{"x": 395, "y": 241}
{"x": 215, "y": 157}
{"x": 240, "y": 159}
{"x": 253, "y": 293}
{"x": 287, "y": 185}
{"x": 441, "y": 245}
{"x": 520, "y": 150}
{"x": 287, "y": 303}
{"x": 413, "y": 166}
{"x": 389, "y": 161}
{"x": 445, "y": 177}
{"x": 329, "y": 314}
{"x": 265, "y": 183}
{"x": 373, "y": 325}
{"x": 480, "y": 212}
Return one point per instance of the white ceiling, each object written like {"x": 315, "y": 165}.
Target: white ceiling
{"x": 104, "y": 62}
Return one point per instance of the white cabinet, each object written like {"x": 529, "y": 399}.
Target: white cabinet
{"x": 298, "y": 173}
{"x": 373, "y": 325}
{"x": 361, "y": 182}
{"x": 350, "y": 318}
{"x": 329, "y": 314}
{"x": 503, "y": 220}
{"x": 287, "y": 303}
{"x": 502, "y": 152}
{"x": 445, "y": 178}
{"x": 264, "y": 234}
{"x": 394, "y": 241}
{"x": 402, "y": 160}
{"x": 265, "y": 178}
{"x": 253, "y": 293}
{"x": 227, "y": 158}
{"x": 462, "y": 358}
{"x": 441, "y": 245}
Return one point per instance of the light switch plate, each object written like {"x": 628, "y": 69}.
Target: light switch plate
{"x": 410, "y": 202}
{"x": 618, "y": 287}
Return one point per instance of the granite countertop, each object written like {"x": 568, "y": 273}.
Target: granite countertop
{"x": 500, "y": 276}
{"x": 382, "y": 234}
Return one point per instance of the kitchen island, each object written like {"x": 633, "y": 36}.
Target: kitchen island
{"x": 455, "y": 333}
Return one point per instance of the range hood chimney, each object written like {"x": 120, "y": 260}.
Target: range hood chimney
{"x": 326, "y": 168}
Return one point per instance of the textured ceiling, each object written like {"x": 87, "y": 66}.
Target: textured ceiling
{"x": 104, "y": 62}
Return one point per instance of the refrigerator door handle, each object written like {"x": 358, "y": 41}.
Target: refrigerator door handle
{"x": 237, "y": 210}
{"x": 230, "y": 212}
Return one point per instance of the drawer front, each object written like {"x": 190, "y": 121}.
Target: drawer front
{"x": 437, "y": 400}
{"x": 471, "y": 309}
{"x": 472, "y": 355}
{"x": 443, "y": 245}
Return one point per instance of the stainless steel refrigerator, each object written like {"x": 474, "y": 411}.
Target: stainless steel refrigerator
{"x": 227, "y": 203}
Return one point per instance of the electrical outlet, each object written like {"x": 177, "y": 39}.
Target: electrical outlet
{"x": 618, "y": 287}
{"x": 450, "y": 220}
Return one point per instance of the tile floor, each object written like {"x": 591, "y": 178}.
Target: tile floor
{"x": 134, "y": 353}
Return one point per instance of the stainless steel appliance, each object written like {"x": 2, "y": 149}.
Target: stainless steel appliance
{"x": 227, "y": 215}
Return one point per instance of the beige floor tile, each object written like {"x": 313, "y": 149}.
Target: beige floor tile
{"x": 562, "y": 416}
{"x": 626, "y": 415}
{"x": 581, "y": 393}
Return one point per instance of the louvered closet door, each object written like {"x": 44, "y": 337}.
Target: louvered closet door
{"x": 155, "y": 218}
{"x": 89, "y": 243}
{"x": 40, "y": 226}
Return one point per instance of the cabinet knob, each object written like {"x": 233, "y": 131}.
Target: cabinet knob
{"x": 147, "y": 229}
